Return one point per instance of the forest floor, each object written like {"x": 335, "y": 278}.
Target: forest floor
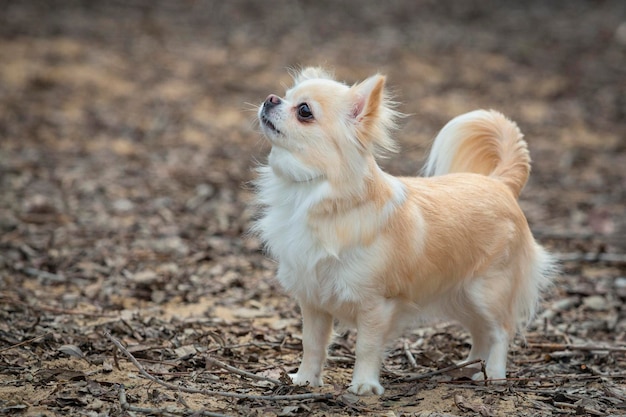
{"x": 128, "y": 285}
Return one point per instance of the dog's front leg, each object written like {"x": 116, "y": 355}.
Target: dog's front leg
{"x": 317, "y": 327}
{"x": 373, "y": 329}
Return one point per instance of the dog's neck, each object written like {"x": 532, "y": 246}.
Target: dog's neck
{"x": 351, "y": 192}
{"x": 287, "y": 167}
{"x": 355, "y": 215}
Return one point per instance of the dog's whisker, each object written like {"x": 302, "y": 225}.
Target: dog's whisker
{"x": 251, "y": 107}
{"x": 365, "y": 248}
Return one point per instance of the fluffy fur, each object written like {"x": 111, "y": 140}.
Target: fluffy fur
{"x": 378, "y": 252}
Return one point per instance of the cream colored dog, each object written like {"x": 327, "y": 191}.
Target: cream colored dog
{"x": 378, "y": 252}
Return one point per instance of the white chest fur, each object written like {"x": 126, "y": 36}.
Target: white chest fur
{"x": 315, "y": 264}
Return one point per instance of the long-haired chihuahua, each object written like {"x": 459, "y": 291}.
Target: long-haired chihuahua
{"x": 379, "y": 252}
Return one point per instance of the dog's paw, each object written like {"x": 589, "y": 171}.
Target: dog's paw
{"x": 492, "y": 378}
{"x": 366, "y": 388}
{"x": 299, "y": 379}
{"x": 478, "y": 375}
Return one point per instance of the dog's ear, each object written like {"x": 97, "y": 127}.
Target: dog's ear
{"x": 368, "y": 97}
{"x": 373, "y": 114}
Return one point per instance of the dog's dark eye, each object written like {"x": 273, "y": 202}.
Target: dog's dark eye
{"x": 304, "y": 112}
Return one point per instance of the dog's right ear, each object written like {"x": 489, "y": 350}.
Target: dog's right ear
{"x": 311, "y": 73}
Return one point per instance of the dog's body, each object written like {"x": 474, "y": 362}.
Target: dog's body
{"x": 379, "y": 252}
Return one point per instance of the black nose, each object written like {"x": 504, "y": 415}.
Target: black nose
{"x": 271, "y": 101}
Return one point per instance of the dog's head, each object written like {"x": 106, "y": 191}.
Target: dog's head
{"x": 322, "y": 128}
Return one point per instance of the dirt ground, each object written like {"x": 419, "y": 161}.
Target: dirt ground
{"x": 127, "y": 143}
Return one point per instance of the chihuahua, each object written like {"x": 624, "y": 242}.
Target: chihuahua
{"x": 377, "y": 252}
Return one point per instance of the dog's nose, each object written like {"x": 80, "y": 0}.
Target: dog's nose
{"x": 271, "y": 101}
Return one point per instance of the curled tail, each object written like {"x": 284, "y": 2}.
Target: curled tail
{"x": 482, "y": 142}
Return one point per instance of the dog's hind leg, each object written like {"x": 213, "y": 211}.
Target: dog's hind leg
{"x": 490, "y": 324}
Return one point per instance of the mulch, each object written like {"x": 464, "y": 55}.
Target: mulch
{"x": 129, "y": 284}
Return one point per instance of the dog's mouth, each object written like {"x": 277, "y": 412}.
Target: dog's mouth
{"x": 268, "y": 123}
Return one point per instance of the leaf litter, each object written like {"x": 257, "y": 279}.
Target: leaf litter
{"x": 128, "y": 285}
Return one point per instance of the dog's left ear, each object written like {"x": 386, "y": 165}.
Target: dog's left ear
{"x": 374, "y": 115}
{"x": 367, "y": 99}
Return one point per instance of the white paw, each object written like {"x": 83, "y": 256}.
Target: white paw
{"x": 478, "y": 376}
{"x": 312, "y": 381}
{"x": 366, "y": 388}
{"x": 493, "y": 377}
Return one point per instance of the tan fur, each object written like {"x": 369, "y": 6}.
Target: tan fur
{"x": 359, "y": 245}
{"x": 488, "y": 226}
{"x": 332, "y": 219}
{"x": 483, "y": 151}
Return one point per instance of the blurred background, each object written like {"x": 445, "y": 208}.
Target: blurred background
{"x": 128, "y": 139}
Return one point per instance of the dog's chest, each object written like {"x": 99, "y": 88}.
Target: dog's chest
{"x": 327, "y": 255}
{"x": 333, "y": 284}
{"x": 312, "y": 266}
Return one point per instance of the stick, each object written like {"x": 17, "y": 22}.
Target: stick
{"x": 409, "y": 355}
{"x": 440, "y": 371}
{"x": 616, "y": 258}
{"x": 49, "y": 309}
{"x": 142, "y": 371}
{"x": 584, "y": 348}
{"x": 25, "y": 342}
{"x": 340, "y": 359}
{"x": 552, "y": 378}
{"x": 483, "y": 369}
{"x": 162, "y": 411}
{"x": 37, "y": 273}
{"x": 587, "y": 410}
{"x": 242, "y": 372}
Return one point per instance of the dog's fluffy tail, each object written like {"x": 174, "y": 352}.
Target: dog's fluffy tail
{"x": 543, "y": 268}
{"x": 482, "y": 142}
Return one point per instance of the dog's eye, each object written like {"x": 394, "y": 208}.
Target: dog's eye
{"x": 304, "y": 112}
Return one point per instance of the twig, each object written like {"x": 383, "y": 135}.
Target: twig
{"x": 409, "y": 355}
{"x": 616, "y": 258}
{"x": 552, "y": 378}
{"x": 340, "y": 359}
{"x": 567, "y": 235}
{"x": 256, "y": 344}
{"x": 483, "y": 369}
{"x": 123, "y": 403}
{"x": 585, "y": 348}
{"x": 162, "y": 411}
{"x": 142, "y": 371}
{"x": 559, "y": 354}
{"x": 586, "y": 410}
{"x": 50, "y": 309}
{"x": 45, "y": 275}
{"x": 594, "y": 376}
{"x": 25, "y": 342}
{"x": 440, "y": 371}
{"x": 242, "y": 372}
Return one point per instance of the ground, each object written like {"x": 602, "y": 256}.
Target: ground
{"x": 127, "y": 145}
